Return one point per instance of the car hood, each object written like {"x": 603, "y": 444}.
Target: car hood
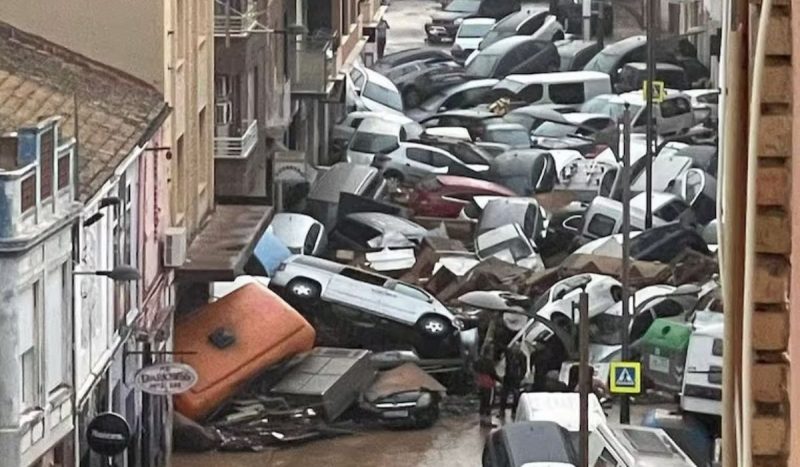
{"x": 448, "y": 15}
{"x": 405, "y": 378}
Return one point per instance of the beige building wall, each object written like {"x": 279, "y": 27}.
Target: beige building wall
{"x": 167, "y": 43}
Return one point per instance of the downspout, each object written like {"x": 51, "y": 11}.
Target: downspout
{"x": 750, "y": 231}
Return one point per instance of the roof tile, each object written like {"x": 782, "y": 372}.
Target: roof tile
{"x": 40, "y": 79}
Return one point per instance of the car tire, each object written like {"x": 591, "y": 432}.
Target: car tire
{"x": 304, "y": 289}
{"x": 411, "y": 98}
{"x": 433, "y": 326}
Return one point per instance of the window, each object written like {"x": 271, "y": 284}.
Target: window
{"x": 27, "y": 193}
{"x": 382, "y": 95}
{"x": 709, "y": 98}
{"x": 55, "y": 346}
{"x": 606, "y": 459}
{"x": 601, "y": 225}
{"x": 675, "y": 107}
{"x": 63, "y": 170}
{"x": 373, "y": 143}
{"x": 29, "y": 377}
{"x": 532, "y": 93}
{"x": 440, "y": 160}
{"x": 357, "y": 77}
{"x": 716, "y": 348}
{"x": 362, "y": 276}
{"x": 356, "y": 232}
{"x": 46, "y": 155}
{"x": 567, "y": 93}
{"x": 532, "y": 24}
{"x": 179, "y": 195}
{"x": 715, "y": 374}
{"x": 410, "y": 291}
{"x": 311, "y": 239}
{"x": 671, "y": 211}
{"x": 419, "y": 155}
{"x": 28, "y": 343}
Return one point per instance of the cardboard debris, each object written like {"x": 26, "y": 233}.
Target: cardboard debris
{"x": 431, "y": 250}
{"x": 642, "y": 273}
{"x": 489, "y": 274}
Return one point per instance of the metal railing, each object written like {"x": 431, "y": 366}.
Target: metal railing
{"x": 311, "y": 63}
{"x": 238, "y": 21}
{"x": 237, "y": 147}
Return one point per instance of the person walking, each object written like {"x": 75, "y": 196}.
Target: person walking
{"x": 485, "y": 378}
{"x": 512, "y": 379}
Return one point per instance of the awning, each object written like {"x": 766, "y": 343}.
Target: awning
{"x": 224, "y": 245}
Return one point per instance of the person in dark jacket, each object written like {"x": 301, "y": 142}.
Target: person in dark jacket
{"x": 485, "y": 379}
{"x": 516, "y": 364}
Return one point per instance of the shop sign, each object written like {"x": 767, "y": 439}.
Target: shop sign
{"x": 108, "y": 434}
{"x": 165, "y": 379}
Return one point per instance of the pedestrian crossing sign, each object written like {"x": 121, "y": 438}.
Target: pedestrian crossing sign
{"x": 658, "y": 88}
{"x": 626, "y": 377}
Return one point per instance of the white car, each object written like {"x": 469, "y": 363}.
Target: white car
{"x": 469, "y": 35}
{"x": 412, "y": 162}
{"x": 378, "y": 135}
{"x": 302, "y": 234}
{"x": 308, "y": 278}
{"x": 674, "y": 115}
{"x": 704, "y": 99}
{"x": 510, "y": 244}
{"x": 376, "y": 92}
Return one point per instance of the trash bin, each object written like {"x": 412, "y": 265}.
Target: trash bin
{"x": 663, "y": 348}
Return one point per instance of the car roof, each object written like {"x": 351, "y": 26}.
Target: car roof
{"x": 504, "y": 45}
{"x": 580, "y": 117}
{"x": 637, "y": 98}
{"x": 512, "y": 21}
{"x": 379, "y": 79}
{"x": 700, "y": 92}
{"x": 642, "y": 66}
{"x": 467, "y": 182}
{"x": 381, "y": 126}
{"x": 560, "y": 407}
{"x": 341, "y": 177}
{"x": 387, "y": 222}
{"x": 623, "y": 46}
{"x": 538, "y": 441}
{"x": 572, "y": 46}
{"x": 471, "y": 84}
{"x": 500, "y": 126}
{"x": 478, "y": 21}
{"x": 477, "y": 113}
{"x": 423, "y": 51}
{"x": 557, "y": 77}
{"x": 391, "y": 117}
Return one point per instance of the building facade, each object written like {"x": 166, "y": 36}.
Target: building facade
{"x": 37, "y": 213}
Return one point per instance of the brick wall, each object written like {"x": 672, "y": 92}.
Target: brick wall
{"x": 770, "y": 382}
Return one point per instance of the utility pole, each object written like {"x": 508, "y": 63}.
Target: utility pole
{"x": 587, "y": 20}
{"x": 652, "y": 37}
{"x": 624, "y": 410}
{"x": 584, "y": 377}
{"x": 601, "y": 26}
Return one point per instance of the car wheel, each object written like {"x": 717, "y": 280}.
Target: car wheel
{"x": 304, "y": 289}
{"x": 411, "y": 98}
{"x": 434, "y": 326}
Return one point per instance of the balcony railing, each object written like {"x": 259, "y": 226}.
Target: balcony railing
{"x": 311, "y": 64}
{"x": 236, "y": 20}
{"x": 237, "y": 147}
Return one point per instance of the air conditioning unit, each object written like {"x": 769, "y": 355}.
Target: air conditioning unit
{"x": 175, "y": 247}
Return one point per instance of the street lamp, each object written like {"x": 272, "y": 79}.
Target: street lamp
{"x": 121, "y": 273}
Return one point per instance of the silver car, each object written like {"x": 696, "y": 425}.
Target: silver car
{"x": 412, "y": 162}
{"x": 308, "y": 278}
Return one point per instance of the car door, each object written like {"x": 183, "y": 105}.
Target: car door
{"x": 357, "y": 289}
{"x": 405, "y": 303}
{"x": 419, "y": 164}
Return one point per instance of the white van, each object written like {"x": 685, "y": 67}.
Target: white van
{"x": 570, "y": 88}
{"x": 603, "y": 218}
{"x": 609, "y": 445}
{"x": 702, "y": 381}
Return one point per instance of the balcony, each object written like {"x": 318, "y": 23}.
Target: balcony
{"x": 311, "y": 64}
{"x": 234, "y": 18}
{"x": 237, "y": 147}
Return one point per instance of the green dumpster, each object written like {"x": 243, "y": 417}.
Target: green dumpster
{"x": 663, "y": 350}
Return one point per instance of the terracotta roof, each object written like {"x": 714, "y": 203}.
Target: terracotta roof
{"x": 38, "y": 79}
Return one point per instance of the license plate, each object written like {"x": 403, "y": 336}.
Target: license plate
{"x": 659, "y": 364}
{"x": 395, "y": 414}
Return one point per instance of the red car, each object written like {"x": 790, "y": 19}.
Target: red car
{"x": 446, "y": 195}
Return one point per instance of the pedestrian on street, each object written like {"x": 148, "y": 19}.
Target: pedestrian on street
{"x": 485, "y": 378}
{"x": 512, "y": 379}
{"x": 381, "y": 29}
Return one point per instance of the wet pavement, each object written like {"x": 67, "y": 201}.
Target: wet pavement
{"x": 407, "y": 20}
{"x": 452, "y": 442}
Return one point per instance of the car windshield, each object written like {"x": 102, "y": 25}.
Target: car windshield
{"x": 387, "y": 97}
{"x": 518, "y": 247}
{"x": 510, "y": 137}
{"x": 493, "y": 36}
{"x": 473, "y": 30}
{"x": 604, "y": 62}
{"x": 373, "y": 143}
{"x": 482, "y": 65}
{"x": 434, "y": 102}
{"x": 604, "y": 105}
{"x": 463, "y": 6}
{"x": 554, "y": 130}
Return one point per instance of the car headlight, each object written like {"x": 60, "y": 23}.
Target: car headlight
{"x": 425, "y": 400}
{"x": 458, "y": 21}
